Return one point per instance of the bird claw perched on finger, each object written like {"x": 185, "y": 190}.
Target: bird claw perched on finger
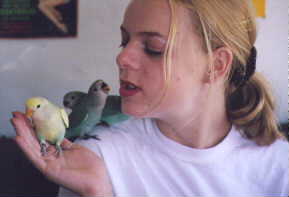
{"x": 86, "y": 137}
{"x": 103, "y": 123}
{"x": 58, "y": 151}
{"x": 43, "y": 149}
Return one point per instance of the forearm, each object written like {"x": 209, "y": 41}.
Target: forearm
{"x": 97, "y": 191}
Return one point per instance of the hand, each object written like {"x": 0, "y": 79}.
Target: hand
{"x": 77, "y": 168}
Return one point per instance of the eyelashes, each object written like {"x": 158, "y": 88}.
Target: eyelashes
{"x": 152, "y": 52}
{"x": 146, "y": 49}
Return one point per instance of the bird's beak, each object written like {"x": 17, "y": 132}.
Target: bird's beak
{"x": 106, "y": 88}
{"x": 29, "y": 113}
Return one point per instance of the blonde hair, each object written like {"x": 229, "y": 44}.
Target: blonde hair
{"x": 231, "y": 23}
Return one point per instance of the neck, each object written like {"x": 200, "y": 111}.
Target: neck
{"x": 204, "y": 130}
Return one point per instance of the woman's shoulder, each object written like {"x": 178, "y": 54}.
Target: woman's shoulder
{"x": 275, "y": 154}
{"x": 280, "y": 145}
{"x": 267, "y": 164}
{"x": 279, "y": 151}
{"x": 272, "y": 163}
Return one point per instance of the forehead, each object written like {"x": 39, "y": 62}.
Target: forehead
{"x": 148, "y": 15}
{"x": 155, "y": 16}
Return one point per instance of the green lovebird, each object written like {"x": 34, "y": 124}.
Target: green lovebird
{"x": 78, "y": 103}
{"x": 49, "y": 120}
{"x": 112, "y": 111}
{"x": 87, "y": 113}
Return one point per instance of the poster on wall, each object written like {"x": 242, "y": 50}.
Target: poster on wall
{"x": 38, "y": 18}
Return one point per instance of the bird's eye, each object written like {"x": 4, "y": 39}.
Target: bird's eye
{"x": 95, "y": 89}
{"x": 38, "y": 106}
{"x": 72, "y": 97}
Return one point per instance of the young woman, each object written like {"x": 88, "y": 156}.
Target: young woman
{"x": 203, "y": 118}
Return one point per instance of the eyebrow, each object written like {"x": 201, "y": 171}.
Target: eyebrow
{"x": 144, "y": 33}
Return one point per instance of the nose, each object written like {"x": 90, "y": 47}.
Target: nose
{"x": 129, "y": 58}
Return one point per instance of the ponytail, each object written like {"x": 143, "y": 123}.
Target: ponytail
{"x": 249, "y": 101}
{"x": 251, "y": 108}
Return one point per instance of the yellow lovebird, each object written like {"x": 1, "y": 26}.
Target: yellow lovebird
{"x": 49, "y": 120}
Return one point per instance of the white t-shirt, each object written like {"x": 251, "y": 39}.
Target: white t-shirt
{"x": 141, "y": 161}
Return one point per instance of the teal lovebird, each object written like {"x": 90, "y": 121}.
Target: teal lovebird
{"x": 77, "y": 102}
{"x": 112, "y": 111}
{"x": 87, "y": 113}
{"x": 49, "y": 120}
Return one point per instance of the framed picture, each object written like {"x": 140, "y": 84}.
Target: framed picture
{"x": 38, "y": 18}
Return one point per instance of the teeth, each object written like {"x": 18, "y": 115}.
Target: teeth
{"x": 130, "y": 87}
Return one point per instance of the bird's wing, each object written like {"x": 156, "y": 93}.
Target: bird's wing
{"x": 113, "y": 119}
{"x": 78, "y": 114}
{"x": 112, "y": 106}
{"x": 64, "y": 117}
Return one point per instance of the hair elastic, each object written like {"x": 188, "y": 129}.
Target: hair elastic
{"x": 243, "y": 74}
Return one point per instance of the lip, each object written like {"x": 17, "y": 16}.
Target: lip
{"x": 128, "y": 82}
{"x": 126, "y": 93}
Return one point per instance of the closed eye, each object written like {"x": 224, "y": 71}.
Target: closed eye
{"x": 152, "y": 52}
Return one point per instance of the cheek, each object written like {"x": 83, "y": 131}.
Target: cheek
{"x": 153, "y": 81}
{"x": 184, "y": 91}
{"x": 150, "y": 77}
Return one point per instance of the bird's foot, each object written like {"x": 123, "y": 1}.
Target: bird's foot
{"x": 58, "y": 151}
{"x": 72, "y": 139}
{"x": 103, "y": 123}
{"x": 43, "y": 150}
{"x": 86, "y": 137}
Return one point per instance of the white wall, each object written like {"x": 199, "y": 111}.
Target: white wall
{"x": 50, "y": 68}
{"x": 272, "y": 45}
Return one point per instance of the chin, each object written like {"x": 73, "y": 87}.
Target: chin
{"x": 133, "y": 109}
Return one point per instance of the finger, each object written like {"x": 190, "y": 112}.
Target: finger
{"x": 30, "y": 143}
{"x": 26, "y": 147}
{"x": 33, "y": 155}
{"x": 28, "y": 124}
{"x": 21, "y": 128}
{"x": 50, "y": 153}
{"x": 25, "y": 132}
{"x": 22, "y": 116}
{"x": 66, "y": 144}
{"x": 51, "y": 148}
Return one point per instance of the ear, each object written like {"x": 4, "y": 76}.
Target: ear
{"x": 222, "y": 62}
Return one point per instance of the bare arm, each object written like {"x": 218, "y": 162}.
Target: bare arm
{"x": 77, "y": 169}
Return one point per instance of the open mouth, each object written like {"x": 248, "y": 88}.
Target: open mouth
{"x": 128, "y": 85}
{"x": 128, "y": 89}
